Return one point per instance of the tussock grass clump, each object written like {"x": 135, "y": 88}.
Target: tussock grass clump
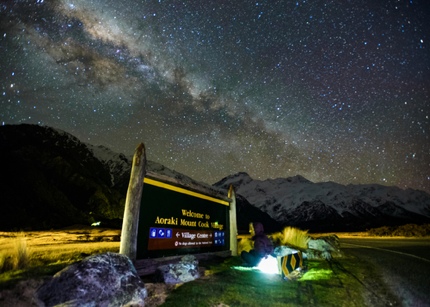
{"x": 245, "y": 244}
{"x": 17, "y": 257}
{"x": 291, "y": 236}
{"x": 22, "y": 252}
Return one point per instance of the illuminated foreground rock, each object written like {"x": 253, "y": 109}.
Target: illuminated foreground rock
{"x": 108, "y": 279}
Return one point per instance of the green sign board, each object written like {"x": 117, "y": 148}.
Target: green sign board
{"x": 174, "y": 221}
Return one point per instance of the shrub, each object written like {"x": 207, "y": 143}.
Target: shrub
{"x": 408, "y": 230}
{"x": 381, "y": 231}
{"x": 412, "y": 230}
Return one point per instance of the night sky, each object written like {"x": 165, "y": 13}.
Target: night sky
{"x": 331, "y": 90}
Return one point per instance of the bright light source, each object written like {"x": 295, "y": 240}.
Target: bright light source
{"x": 268, "y": 265}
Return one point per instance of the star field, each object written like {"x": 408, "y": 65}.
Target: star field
{"x": 331, "y": 91}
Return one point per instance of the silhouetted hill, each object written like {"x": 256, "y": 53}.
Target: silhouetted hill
{"x": 50, "y": 179}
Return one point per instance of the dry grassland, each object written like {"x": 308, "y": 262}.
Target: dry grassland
{"x": 47, "y": 252}
{"x": 57, "y": 246}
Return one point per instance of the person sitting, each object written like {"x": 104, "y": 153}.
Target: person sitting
{"x": 262, "y": 245}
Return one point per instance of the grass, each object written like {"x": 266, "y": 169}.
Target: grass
{"x": 344, "y": 282}
{"x": 49, "y": 260}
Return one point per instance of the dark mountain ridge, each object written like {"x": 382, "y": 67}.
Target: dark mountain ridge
{"x": 52, "y": 180}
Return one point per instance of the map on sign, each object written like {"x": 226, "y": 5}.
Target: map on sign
{"x": 172, "y": 238}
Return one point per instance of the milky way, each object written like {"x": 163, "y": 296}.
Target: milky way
{"x": 331, "y": 90}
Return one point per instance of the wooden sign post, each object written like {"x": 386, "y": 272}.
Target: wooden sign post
{"x": 233, "y": 221}
{"x": 128, "y": 245}
{"x": 163, "y": 218}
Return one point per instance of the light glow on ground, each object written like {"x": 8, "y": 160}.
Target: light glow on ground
{"x": 269, "y": 265}
{"x": 315, "y": 274}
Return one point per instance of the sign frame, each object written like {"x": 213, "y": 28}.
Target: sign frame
{"x": 175, "y": 220}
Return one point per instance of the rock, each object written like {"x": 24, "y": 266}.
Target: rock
{"x": 175, "y": 273}
{"x": 108, "y": 279}
{"x": 284, "y": 250}
{"x": 323, "y": 248}
{"x": 312, "y": 254}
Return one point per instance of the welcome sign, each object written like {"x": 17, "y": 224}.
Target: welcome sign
{"x": 175, "y": 220}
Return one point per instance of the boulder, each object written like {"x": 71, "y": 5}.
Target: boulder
{"x": 175, "y": 273}
{"x": 108, "y": 279}
{"x": 323, "y": 248}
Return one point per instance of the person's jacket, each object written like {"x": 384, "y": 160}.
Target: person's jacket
{"x": 262, "y": 244}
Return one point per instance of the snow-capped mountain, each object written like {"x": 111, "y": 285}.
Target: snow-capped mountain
{"x": 298, "y": 201}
